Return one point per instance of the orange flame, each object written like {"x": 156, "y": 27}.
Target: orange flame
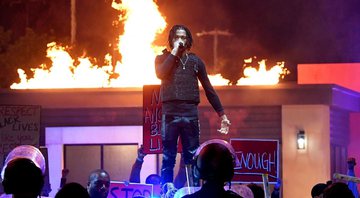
{"x": 218, "y": 80}
{"x": 142, "y": 22}
{"x": 63, "y": 73}
{"x": 255, "y": 76}
{"x": 262, "y": 76}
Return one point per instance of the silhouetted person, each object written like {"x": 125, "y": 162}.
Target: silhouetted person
{"x": 242, "y": 190}
{"x": 46, "y": 189}
{"x": 351, "y": 172}
{"x": 180, "y": 72}
{"x": 23, "y": 179}
{"x": 318, "y": 190}
{"x": 72, "y": 190}
{"x": 179, "y": 180}
{"x": 63, "y": 179}
{"x": 136, "y": 167}
{"x": 215, "y": 166}
{"x": 98, "y": 184}
{"x": 154, "y": 179}
{"x": 338, "y": 190}
{"x": 258, "y": 191}
{"x": 329, "y": 182}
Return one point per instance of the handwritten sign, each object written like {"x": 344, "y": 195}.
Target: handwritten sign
{"x": 152, "y": 116}
{"x": 129, "y": 190}
{"x": 19, "y": 125}
{"x": 256, "y": 157}
{"x": 152, "y": 119}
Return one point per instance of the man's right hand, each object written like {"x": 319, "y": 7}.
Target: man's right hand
{"x": 176, "y": 48}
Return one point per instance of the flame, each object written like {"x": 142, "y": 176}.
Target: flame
{"x": 63, "y": 73}
{"x": 142, "y": 22}
{"x": 218, "y": 80}
{"x": 262, "y": 76}
{"x": 255, "y": 76}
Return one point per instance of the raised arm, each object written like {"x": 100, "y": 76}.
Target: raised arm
{"x": 164, "y": 64}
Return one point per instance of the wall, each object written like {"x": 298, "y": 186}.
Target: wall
{"x": 302, "y": 169}
{"x": 287, "y": 107}
{"x": 342, "y": 74}
{"x": 56, "y": 137}
{"x": 339, "y": 140}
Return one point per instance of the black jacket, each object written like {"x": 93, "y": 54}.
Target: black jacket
{"x": 180, "y": 82}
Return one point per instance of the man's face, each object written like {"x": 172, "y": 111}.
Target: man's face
{"x": 99, "y": 186}
{"x": 180, "y": 36}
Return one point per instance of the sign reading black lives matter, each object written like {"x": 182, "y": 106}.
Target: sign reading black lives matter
{"x": 256, "y": 157}
{"x": 19, "y": 125}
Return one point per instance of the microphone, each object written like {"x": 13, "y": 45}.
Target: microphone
{"x": 181, "y": 45}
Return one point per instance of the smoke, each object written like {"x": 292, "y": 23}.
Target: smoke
{"x": 294, "y": 31}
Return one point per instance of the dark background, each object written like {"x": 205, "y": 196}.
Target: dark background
{"x": 294, "y": 31}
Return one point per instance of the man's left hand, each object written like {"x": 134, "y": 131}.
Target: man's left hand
{"x": 225, "y": 124}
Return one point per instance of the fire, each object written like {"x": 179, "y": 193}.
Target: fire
{"x": 63, "y": 73}
{"x": 255, "y": 76}
{"x": 142, "y": 22}
{"x": 218, "y": 80}
{"x": 262, "y": 76}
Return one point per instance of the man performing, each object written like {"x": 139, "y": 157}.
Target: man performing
{"x": 179, "y": 71}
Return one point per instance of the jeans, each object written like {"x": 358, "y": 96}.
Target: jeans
{"x": 189, "y": 131}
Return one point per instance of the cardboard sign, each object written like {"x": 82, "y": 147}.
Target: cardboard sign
{"x": 256, "y": 157}
{"x": 129, "y": 190}
{"x": 152, "y": 120}
{"x": 19, "y": 125}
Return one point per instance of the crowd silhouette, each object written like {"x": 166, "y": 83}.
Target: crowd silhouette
{"x": 23, "y": 177}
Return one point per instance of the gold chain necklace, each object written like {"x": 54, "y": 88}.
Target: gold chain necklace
{"x": 184, "y": 63}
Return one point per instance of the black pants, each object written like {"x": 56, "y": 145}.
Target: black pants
{"x": 189, "y": 131}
